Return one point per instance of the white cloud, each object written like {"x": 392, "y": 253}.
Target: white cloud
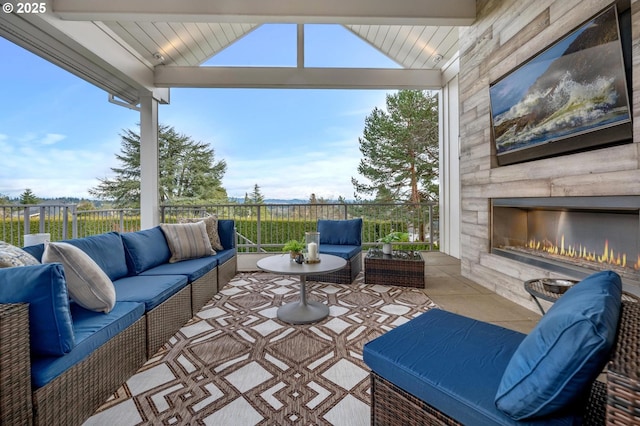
{"x": 49, "y": 171}
{"x": 52, "y": 138}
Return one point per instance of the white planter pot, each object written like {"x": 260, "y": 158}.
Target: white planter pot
{"x": 387, "y": 248}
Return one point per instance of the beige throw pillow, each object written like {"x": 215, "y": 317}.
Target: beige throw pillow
{"x": 211, "y": 223}
{"x": 187, "y": 240}
{"x": 11, "y": 256}
{"x": 87, "y": 283}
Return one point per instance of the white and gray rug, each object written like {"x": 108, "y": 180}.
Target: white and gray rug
{"x": 235, "y": 363}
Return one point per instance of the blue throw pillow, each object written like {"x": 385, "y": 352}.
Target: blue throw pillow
{"x": 342, "y": 232}
{"x": 145, "y": 249}
{"x": 556, "y": 363}
{"x": 107, "y": 250}
{"x": 45, "y": 289}
{"x": 227, "y": 233}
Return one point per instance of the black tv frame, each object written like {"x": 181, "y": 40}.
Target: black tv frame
{"x": 617, "y": 133}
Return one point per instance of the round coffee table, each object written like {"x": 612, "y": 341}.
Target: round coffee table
{"x": 302, "y": 311}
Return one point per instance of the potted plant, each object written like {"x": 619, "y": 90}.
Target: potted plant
{"x": 294, "y": 247}
{"x": 390, "y": 238}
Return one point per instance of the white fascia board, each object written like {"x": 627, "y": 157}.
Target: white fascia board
{"x": 103, "y": 47}
{"x": 297, "y": 78}
{"x": 382, "y": 12}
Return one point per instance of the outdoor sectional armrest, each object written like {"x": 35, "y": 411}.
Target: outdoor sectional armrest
{"x": 15, "y": 364}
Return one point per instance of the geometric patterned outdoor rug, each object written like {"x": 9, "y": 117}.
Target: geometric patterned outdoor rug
{"x": 235, "y": 363}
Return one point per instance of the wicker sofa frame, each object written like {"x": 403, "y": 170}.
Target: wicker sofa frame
{"x": 616, "y": 402}
{"x": 74, "y": 396}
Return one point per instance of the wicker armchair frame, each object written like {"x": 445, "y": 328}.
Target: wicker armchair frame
{"x": 345, "y": 275}
{"x": 616, "y": 402}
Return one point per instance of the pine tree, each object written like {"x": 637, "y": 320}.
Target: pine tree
{"x": 400, "y": 149}
{"x": 28, "y": 197}
{"x": 188, "y": 171}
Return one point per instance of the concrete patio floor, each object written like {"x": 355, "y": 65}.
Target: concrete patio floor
{"x": 455, "y": 293}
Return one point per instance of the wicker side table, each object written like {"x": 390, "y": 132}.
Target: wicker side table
{"x": 401, "y": 268}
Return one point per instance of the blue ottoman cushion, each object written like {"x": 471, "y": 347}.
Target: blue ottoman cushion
{"x": 565, "y": 352}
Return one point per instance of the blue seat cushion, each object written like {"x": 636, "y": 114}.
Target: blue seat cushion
{"x": 556, "y": 363}
{"x": 225, "y": 255}
{"x": 452, "y": 362}
{"x": 343, "y": 251}
{"x": 227, "y": 233}
{"x": 107, "y": 250}
{"x": 45, "y": 289}
{"x": 192, "y": 268}
{"x": 145, "y": 249}
{"x": 151, "y": 290}
{"x": 348, "y": 232}
{"x": 92, "y": 329}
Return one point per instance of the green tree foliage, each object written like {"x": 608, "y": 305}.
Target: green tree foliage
{"x": 400, "y": 149}
{"x": 28, "y": 197}
{"x": 188, "y": 171}
{"x": 85, "y": 205}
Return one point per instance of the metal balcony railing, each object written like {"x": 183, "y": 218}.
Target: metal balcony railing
{"x": 259, "y": 227}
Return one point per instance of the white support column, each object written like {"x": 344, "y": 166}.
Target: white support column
{"x": 450, "y": 205}
{"x": 149, "y": 164}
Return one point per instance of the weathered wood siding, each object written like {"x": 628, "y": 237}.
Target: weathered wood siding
{"x": 506, "y": 34}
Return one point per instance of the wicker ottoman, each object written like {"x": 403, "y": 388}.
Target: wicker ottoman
{"x": 402, "y": 268}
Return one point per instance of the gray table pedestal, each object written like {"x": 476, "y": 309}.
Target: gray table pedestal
{"x": 303, "y": 311}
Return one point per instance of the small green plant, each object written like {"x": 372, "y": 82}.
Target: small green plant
{"x": 293, "y": 246}
{"x": 395, "y": 236}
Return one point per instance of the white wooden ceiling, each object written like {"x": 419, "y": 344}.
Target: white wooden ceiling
{"x": 193, "y": 43}
{"x": 133, "y": 47}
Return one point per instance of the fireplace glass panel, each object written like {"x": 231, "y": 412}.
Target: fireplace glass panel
{"x": 579, "y": 237}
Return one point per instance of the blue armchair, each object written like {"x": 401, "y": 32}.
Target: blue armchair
{"x": 341, "y": 238}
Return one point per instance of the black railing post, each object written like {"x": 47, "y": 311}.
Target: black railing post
{"x": 259, "y": 229}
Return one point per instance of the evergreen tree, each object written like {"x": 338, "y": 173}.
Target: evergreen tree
{"x": 400, "y": 149}
{"x": 28, "y": 197}
{"x": 188, "y": 171}
{"x": 256, "y": 196}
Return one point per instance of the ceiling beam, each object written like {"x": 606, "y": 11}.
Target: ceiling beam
{"x": 296, "y": 78}
{"x": 382, "y": 12}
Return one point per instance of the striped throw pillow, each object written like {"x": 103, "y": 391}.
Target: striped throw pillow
{"x": 187, "y": 240}
{"x": 87, "y": 283}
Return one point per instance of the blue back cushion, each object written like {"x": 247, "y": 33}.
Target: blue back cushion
{"x": 345, "y": 232}
{"x": 107, "y": 251}
{"x": 36, "y": 251}
{"x": 145, "y": 249}
{"x": 45, "y": 289}
{"x": 556, "y": 363}
{"x": 227, "y": 233}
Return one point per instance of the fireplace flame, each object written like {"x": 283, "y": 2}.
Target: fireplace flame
{"x": 608, "y": 256}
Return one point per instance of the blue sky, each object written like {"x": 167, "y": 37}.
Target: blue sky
{"x": 58, "y": 134}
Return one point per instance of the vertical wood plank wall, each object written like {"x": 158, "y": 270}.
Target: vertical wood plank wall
{"x": 506, "y": 34}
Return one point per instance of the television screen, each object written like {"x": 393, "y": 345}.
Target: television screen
{"x": 572, "y": 96}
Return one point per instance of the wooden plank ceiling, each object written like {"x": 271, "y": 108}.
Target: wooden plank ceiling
{"x": 193, "y": 43}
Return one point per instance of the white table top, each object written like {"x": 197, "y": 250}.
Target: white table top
{"x": 282, "y": 264}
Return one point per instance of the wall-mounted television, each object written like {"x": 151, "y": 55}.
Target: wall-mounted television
{"x": 570, "y": 97}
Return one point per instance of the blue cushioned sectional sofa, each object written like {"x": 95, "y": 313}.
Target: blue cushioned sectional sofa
{"x": 64, "y": 361}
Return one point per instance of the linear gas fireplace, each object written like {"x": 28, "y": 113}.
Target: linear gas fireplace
{"x": 572, "y": 235}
